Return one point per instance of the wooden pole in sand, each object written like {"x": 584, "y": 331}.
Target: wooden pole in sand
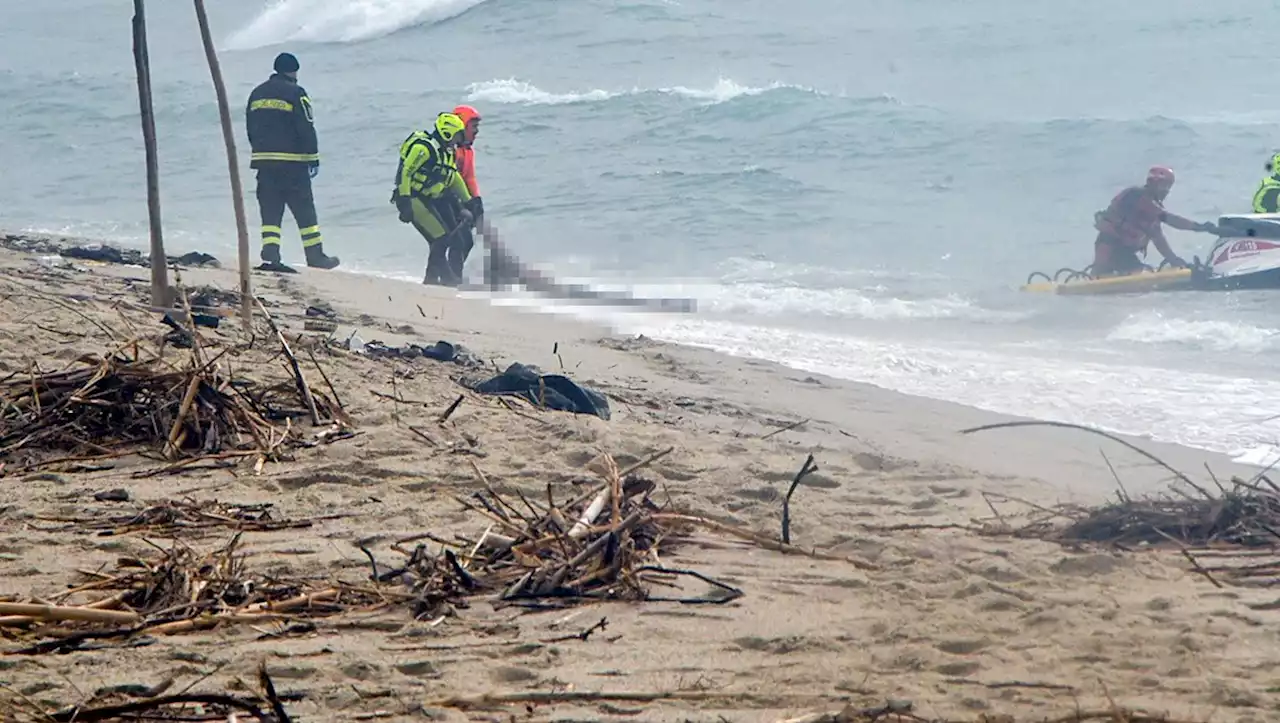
{"x": 233, "y": 166}
{"x": 142, "y": 64}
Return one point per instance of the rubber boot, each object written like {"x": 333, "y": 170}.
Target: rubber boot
{"x": 317, "y": 260}
{"x": 271, "y": 254}
{"x": 437, "y": 264}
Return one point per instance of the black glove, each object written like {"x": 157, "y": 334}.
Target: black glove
{"x": 405, "y": 208}
{"x": 1207, "y": 226}
{"x": 476, "y": 206}
{"x": 1176, "y": 262}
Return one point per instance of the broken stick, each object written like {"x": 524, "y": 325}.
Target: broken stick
{"x": 293, "y": 362}
{"x": 806, "y": 469}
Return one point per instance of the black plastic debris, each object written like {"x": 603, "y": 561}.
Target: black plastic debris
{"x": 209, "y": 297}
{"x": 552, "y": 391}
{"x": 440, "y": 351}
{"x": 195, "y": 258}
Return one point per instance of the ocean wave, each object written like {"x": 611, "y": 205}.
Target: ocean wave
{"x": 340, "y": 21}
{"x": 513, "y": 91}
{"x": 759, "y": 301}
{"x": 1204, "y": 335}
{"x": 1100, "y": 395}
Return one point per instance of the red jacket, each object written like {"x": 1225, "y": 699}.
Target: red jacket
{"x": 465, "y": 156}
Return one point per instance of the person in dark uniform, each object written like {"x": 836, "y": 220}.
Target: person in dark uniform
{"x": 286, "y": 155}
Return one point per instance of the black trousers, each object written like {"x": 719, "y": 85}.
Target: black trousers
{"x": 448, "y": 256}
{"x": 291, "y": 187}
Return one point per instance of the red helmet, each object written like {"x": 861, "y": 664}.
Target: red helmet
{"x": 1160, "y": 174}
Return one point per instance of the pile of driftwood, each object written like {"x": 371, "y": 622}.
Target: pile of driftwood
{"x": 178, "y": 591}
{"x": 602, "y": 545}
{"x": 1238, "y": 525}
{"x": 168, "y": 518}
{"x": 127, "y": 402}
{"x": 540, "y": 553}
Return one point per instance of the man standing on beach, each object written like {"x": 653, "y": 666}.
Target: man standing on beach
{"x": 286, "y": 155}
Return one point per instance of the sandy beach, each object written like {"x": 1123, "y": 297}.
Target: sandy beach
{"x": 904, "y": 601}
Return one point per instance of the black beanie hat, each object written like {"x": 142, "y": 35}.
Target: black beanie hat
{"x": 286, "y": 63}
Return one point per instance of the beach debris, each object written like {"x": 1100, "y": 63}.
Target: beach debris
{"x": 602, "y": 545}
{"x": 1238, "y": 526}
{"x": 128, "y": 400}
{"x": 179, "y": 590}
{"x": 170, "y": 517}
{"x": 440, "y": 351}
{"x": 99, "y": 252}
{"x": 599, "y": 546}
{"x": 808, "y": 468}
{"x": 154, "y": 703}
{"x": 545, "y": 391}
{"x": 209, "y": 297}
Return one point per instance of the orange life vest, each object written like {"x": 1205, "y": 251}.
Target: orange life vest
{"x": 1131, "y": 219}
{"x": 465, "y": 156}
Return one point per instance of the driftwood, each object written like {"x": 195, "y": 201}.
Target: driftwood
{"x": 530, "y": 554}
{"x": 1238, "y": 526}
{"x": 181, "y": 591}
{"x": 808, "y": 468}
{"x": 127, "y": 401}
{"x": 136, "y": 702}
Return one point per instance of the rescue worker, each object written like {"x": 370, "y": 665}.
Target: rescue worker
{"x": 461, "y": 245}
{"x": 1267, "y": 198}
{"x": 1131, "y": 220}
{"x": 285, "y": 153}
{"x": 430, "y": 193}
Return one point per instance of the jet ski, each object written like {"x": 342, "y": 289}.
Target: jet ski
{"x": 1246, "y": 255}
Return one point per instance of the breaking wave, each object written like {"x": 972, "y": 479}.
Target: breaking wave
{"x": 519, "y": 92}
{"x": 340, "y": 21}
{"x": 1206, "y": 335}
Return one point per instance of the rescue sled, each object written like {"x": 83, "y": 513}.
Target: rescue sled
{"x": 1245, "y": 256}
{"x": 1072, "y": 282}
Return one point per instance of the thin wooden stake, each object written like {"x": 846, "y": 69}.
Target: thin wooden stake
{"x": 233, "y": 167}
{"x": 142, "y": 63}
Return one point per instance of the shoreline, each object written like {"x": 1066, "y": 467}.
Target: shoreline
{"x": 931, "y": 610}
{"x": 1060, "y": 457}
{"x": 1240, "y": 440}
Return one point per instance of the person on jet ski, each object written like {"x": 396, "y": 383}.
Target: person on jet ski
{"x": 1132, "y": 220}
{"x": 1267, "y": 198}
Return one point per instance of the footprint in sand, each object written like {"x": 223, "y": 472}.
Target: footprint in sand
{"x": 419, "y": 669}
{"x": 513, "y": 674}
{"x": 958, "y": 670}
{"x": 762, "y": 494}
{"x": 782, "y": 646}
{"x": 578, "y": 457}
{"x": 876, "y": 462}
{"x": 362, "y": 670}
{"x": 963, "y": 647}
{"x": 1087, "y": 565}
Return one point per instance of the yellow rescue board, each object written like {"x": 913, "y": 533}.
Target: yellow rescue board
{"x": 1169, "y": 279}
